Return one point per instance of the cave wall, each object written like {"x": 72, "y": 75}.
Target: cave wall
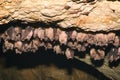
{"x": 86, "y": 16}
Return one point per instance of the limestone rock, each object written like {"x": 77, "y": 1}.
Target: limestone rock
{"x": 98, "y": 16}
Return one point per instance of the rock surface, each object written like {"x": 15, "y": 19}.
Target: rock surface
{"x": 100, "y": 16}
{"x": 92, "y": 16}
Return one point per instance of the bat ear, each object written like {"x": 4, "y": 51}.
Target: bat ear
{"x": 63, "y": 37}
{"x": 41, "y": 33}
{"x": 57, "y": 32}
{"x": 101, "y": 53}
{"x": 111, "y": 37}
{"x": 69, "y": 53}
{"x": 49, "y": 34}
{"x": 119, "y": 51}
{"x": 35, "y": 33}
{"x": 7, "y": 46}
{"x": 116, "y": 41}
{"x": 113, "y": 54}
{"x": 93, "y": 53}
{"x": 27, "y": 33}
{"x": 73, "y": 35}
{"x": 57, "y": 49}
{"x": 10, "y": 33}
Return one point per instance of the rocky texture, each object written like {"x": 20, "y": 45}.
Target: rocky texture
{"x": 89, "y": 16}
{"x": 65, "y": 26}
{"x": 111, "y": 72}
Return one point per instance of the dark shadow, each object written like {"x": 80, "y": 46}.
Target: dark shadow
{"x": 114, "y": 63}
{"x": 80, "y": 54}
{"x": 42, "y": 57}
{"x": 89, "y": 69}
{"x": 97, "y": 63}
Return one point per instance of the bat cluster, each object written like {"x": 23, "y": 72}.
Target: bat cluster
{"x": 65, "y": 42}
